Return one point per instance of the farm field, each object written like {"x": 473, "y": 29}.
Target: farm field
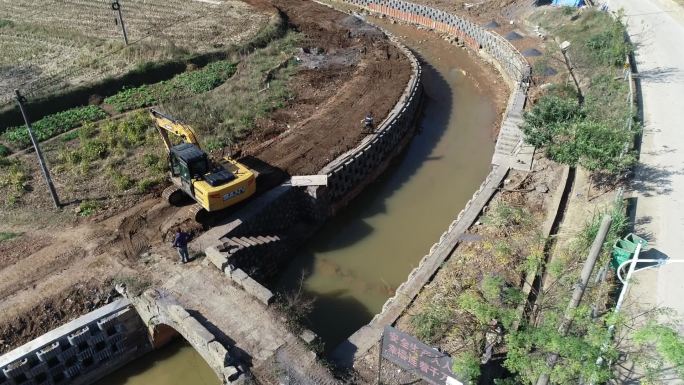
{"x": 53, "y": 45}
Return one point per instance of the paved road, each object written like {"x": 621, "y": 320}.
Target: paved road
{"x": 657, "y": 29}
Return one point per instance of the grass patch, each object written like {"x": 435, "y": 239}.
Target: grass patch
{"x": 14, "y": 180}
{"x": 228, "y": 113}
{"x": 53, "y": 125}
{"x": 180, "y": 86}
{"x": 88, "y": 208}
{"x": 4, "y": 151}
{"x": 595, "y": 133}
{"x": 4, "y": 236}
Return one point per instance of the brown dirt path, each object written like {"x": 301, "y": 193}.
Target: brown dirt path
{"x": 325, "y": 120}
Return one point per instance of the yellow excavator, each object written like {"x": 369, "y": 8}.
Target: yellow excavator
{"x": 213, "y": 185}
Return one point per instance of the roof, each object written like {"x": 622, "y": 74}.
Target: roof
{"x": 568, "y": 3}
{"x": 188, "y": 152}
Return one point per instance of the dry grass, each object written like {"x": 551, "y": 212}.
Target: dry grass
{"x": 48, "y": 45}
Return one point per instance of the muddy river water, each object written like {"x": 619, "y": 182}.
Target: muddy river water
{"x": 356, "y": 261}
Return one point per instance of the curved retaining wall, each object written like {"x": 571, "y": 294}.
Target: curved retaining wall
{"x": 81, "y": 351}
{"x": 349, "y": 173}
{"x": 293, "y": 214}
{"x": 493, "y": 48}
{"x": 515, "y": 69}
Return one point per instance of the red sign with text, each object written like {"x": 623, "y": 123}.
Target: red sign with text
{"x": 411, "y": 354}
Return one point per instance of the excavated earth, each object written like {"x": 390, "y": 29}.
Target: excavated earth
{"x": 62, "y": 266}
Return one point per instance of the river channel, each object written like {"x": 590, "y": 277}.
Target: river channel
{"x": 359, "y": 257}
{"x": 357, "y": 260}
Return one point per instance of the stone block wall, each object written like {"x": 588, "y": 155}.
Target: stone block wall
{"x": 81, "y": 351}
{"x": 350, "y": 171}
{"x": 490, "y": 46}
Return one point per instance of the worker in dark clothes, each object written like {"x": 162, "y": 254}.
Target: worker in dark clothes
{"x": 368, "y": 123}
{"x": 180, "y": 242}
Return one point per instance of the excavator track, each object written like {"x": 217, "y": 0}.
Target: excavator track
{"x": 199, "y": 214}
{"x": 175, "y": 196}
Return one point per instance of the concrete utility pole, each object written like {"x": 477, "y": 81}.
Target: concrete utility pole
{"x": 46, "y": 173}
{"x": 579, "y": 292}
{"x": 117, "y": 7}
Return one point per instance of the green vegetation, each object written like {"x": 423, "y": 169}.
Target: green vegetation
{"x": 14, "y": 180}
{"x": 227, "y": 114}
{"x": 53, "y": 125}
{"x": 4, "y": 236}
{"x": 562, "y": 127}
{"x": 668, "y": 346}
{"x": 179, "y": 87}
{"x": 125, "y": 151}
{"x": 597, "y": 133}
{"x": 466, "y": 366}
{"x": 88, "y": 208}
{"x": 4, "y": 151}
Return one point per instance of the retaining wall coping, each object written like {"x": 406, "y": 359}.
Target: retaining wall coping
{"x": 118, "y": 305}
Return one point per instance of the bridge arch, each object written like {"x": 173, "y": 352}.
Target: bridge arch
{"x": 165, "y": 318}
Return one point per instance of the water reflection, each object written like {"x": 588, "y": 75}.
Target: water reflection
{"x": 175, "y": 364}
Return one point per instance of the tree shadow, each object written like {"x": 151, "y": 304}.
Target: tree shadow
{"x": 653, "y": 181}
{"x": 661, "y": 75}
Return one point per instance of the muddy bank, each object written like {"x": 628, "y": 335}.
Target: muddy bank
{"x": 348, "y": 69}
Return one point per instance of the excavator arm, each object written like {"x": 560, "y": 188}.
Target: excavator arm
{"x": 166, "y": 124}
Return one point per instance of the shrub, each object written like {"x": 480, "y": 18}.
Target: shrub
{"x": 147, "y": 184}
{"x": 53, "y": 125}
{"x": 88, "y": 208}
{"x": 93, "y": 150}
{"x": 13, "y": 180}
{"x": 432, "y": 321}
{"x": 4, "y": 151}
{"x": 559, "y": 125}
{"x": 467, "y": 366}
{"x": 4, "y": 236}
{"x": 121, "y": 181}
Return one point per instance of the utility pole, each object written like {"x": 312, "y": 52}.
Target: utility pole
{"x": 578, "y": 292}
{"x": 117, "y": 7}
{"x": 46, "y": 173}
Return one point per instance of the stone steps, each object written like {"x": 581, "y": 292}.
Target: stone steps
{"x": 234, "y": 244}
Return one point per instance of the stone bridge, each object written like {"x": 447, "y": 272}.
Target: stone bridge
{"x": 235, "y": 333}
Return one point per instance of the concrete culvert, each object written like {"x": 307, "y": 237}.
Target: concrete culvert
{"x": 513, "y": 36}
{"x": 531, "y": 52}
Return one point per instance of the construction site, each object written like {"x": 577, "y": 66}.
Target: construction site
{"x": 329, "y": 192}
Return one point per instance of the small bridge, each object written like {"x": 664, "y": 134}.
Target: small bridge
{"x": 235, "y": 333}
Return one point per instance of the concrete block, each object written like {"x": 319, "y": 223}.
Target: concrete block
{"x": 216, "y": 257}
{"x": 230, "y": 373}
{"x": 257, "y": 290}
{"x": 218, "y": 352}
{"x": 177, "y": 313}
{"x": 308, "y": 336}
{"x": 196, "y": 333}
{"x": 238, "y": 276}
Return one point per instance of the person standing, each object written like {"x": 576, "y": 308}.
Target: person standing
{"x": 180, "y": 242}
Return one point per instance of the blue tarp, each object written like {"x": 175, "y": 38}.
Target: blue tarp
{"x": 568, "y": 3}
